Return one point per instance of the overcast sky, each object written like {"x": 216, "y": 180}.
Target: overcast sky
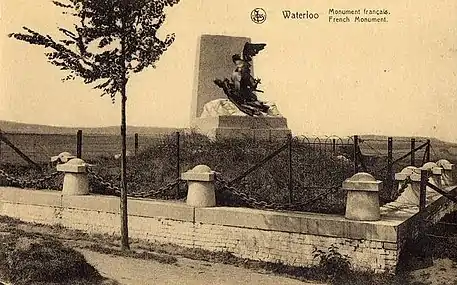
{"x": 395, "y": 78}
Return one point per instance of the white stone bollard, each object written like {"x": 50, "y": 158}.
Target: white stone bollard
{"x": 200, "y": 181}
{"x": 76, "y": 181}
{"x": 449, "y": 177}
{"x": 410, "y": 195}
{"x": 435, "y": 171}
{"x": 362, "y": 197}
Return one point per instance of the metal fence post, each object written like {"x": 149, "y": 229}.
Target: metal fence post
{"x": 356, "y": 153}
{"x": 290, "y": 169}
{"x": 423, "y": 188}
{"x": 79, "y": 143}
{"x": 413, "y": 153}
{"x": 178, "y": 160}
{"x": 427, "y": 157}
{"x": 136, "y": 144}
{"x": 389, "y": 163}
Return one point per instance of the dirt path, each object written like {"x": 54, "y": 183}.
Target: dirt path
{"x": 131, "y": 271}
{"x": 442, "y": 272}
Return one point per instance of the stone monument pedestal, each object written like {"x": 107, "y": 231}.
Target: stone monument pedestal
{"x": 212, "y": 113}
{"x": 228, "y": 127}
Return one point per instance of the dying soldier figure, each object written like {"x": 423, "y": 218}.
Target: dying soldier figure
{"x": 241, "y": 87}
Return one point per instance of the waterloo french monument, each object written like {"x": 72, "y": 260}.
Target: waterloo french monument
{"x": 224, "y": 108}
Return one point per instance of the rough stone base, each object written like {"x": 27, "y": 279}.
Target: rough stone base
{"x": 258, "y": 128}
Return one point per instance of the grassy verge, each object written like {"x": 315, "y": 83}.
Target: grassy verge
{"x": 32, "y": 259}
{"x": 323, "y": 272}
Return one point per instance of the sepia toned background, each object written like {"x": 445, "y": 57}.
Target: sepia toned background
{"x": 395, "y": 78}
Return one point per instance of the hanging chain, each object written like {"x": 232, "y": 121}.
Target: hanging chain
{"x": 254, "y": 203}
{"x": 113, "y": 189}
{"x": 28, "y": 183}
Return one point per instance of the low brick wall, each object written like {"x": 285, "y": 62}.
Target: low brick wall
{"x": 286, "y": 237}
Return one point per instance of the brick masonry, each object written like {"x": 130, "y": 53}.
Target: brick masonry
{"x": 288, "y": 238}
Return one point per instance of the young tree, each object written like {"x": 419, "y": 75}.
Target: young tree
{"x": 109, "y": 41}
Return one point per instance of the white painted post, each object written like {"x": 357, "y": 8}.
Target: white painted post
{"x": 200, "y": 181}
{"x": 362, "y": 197}
{"x": 76, "y": 181}
{"x": 410, "y": 195}
{"x": 449, "y": 177}
{"x": 436, "y": 173}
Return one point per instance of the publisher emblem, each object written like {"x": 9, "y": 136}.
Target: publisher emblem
{"x": 258, "y": 15}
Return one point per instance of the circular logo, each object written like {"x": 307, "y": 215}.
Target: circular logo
{"x": 258, "y": 15}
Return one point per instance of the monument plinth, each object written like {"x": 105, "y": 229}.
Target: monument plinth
{"x": 259, "y": 128}
{"x": 229, "y": 108}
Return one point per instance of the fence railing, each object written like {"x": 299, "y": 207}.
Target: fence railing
{"x": 4, "y": 139}
{"x": 307, "y": 168}
{"x": 305, "y": 160}
{"x": 424, "y": 184}
{"x": 40, "y": 147}
{"x": 391, "y": 164}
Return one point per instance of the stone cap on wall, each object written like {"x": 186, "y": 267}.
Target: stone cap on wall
{"x": 199, "y": 173}
{"x": 433, "y": 168}
{"x": 445, "y": 164}
{"x": 362, "y": 181}
{"x": 386, "y": 230}
{"x": 75, "y": 165}
{"x": 410, "y": 172}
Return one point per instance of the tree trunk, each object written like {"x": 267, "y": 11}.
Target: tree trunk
{"x": 124, "y": 213}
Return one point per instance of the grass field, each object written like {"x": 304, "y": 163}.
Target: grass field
{"x": 40, "y": 142}
{"x": 41, "y": 147}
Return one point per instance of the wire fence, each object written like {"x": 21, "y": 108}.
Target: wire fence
{"x": 40, "y": 147}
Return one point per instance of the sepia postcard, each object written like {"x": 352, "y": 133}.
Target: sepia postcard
{"x": 228, "y": 142}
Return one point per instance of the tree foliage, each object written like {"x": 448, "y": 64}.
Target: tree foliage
{"x": 110, "y": 40}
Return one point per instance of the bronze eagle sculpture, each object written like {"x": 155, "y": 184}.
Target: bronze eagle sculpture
{"x": 241, "y": 87}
